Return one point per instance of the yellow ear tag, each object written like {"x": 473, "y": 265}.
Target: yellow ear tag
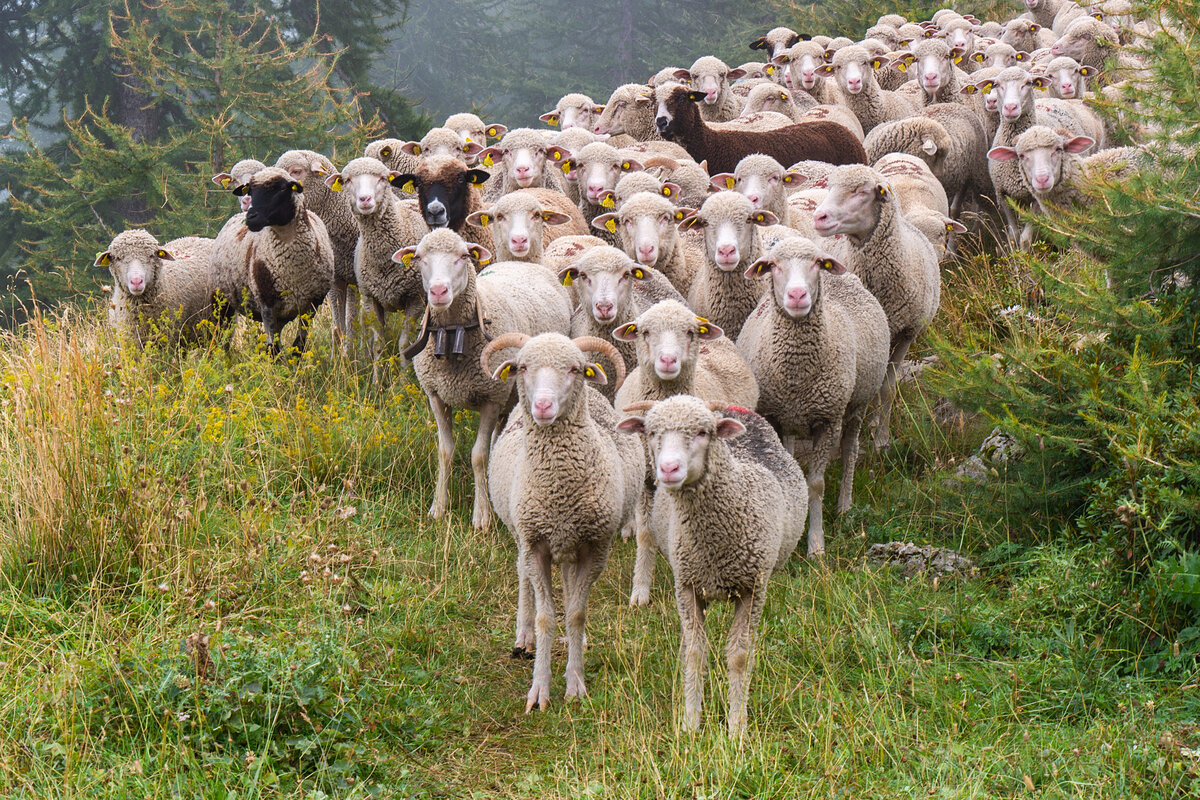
{"x": 491, "y": 131}
{"x": 611, "y": 226}
{"x": 600, "y": 370}
{"x": 666, "y": 190}
{"x": 162, "y": 254}
{"x": 484, "y": 219}
{"x": 625, "y": 166}
{"x": 769, "y": 69}
{"x": 556, "y": 155}
{"x": 678, "y": 215}
{"x": 759, "y": 217}
{"x": 957, "y": 59}
{"x": 589, "y": 372}
{"x": 701, "y": 319}
{"x": 882, "y": 191}
{"x": 703, "y": 329}
{"x": 387, "y": 152}
{"x": 1043, "y": 88}
{"x": 978, "y": 58}
{"x": 788, "y": 179}
{"x": 639, "y": 274}
{"x": 827, "y": 264}
{"x": 503, "y": 376}
{"x": 566, "y": 168}
{"x": 225, "y": 182}
{"x": 487, "y": 160}
{"x": 295, "y": 187}
{"x": 608, "y": 202}
{"x": 783, "y": 96}
{"x": 1020, "y": 57}
{"x": 416, "y": 149}
{"x": 409, "y": 187}
{"x": 337, "y": 184}
{"x": 969, "y": 89}
{"x": 103, "y": 259}
{"x": 949, "y": 227}
{"x": 407, "y": 260}
{"x": 567, "y": 279}
{"x": 553, "y": 121}
{"x": 902, "y": 67}
{"x": 729, "y": 183}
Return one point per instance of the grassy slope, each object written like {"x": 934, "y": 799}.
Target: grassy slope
{"x": 146, "y": 501}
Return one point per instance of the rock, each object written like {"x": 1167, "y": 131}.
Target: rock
{"x": 927, "y": 561}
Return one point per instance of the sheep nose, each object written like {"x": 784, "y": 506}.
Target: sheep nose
{"x": 136, "y": 283}
{"x": 797, "y": 296}
{"x": 854, "y": 83}
{"x": 604, "y": 309}
{"x": 669, "y": 469}
{"x": 439, "y": 292}
{"x": 661, "y": 122}
{"x": 931, "y": 77}
{"x": 667, "y": 362}
{"x": 542, "y": 406}
{"x": 521, "y": 171}
{"x": 646, "y": 251}
{"x": 754, "y": 199}
{"x": 726, "y": 250}
{"x": 1010, "y": 108}
{"x": 245, "y": 202}
{"x": 710, "y": 96}
{"x": 519, "y": 243}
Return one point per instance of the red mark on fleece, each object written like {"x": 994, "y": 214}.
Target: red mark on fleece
{"x": 739, "y": 409}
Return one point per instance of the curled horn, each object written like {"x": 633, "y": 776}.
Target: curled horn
{"x": 598, "y": 345}
{"x": 640, "y": 405}
{"x": 499, "y": 343}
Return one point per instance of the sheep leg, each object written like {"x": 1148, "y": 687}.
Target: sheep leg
{"x": 351, "y": 314}
{"x": 524, "y": 641}
{"x": 693, "y": 652}
{"x": 272, "y": 330}
{"x": 643, "y": 565}
{"x": 481, "y": 517}
{"x": 302, "y": 326}
{"x": 339, "y": 304}
{"x": 377, "y": 331}
{"x": 822, "y": 448}
{"x": 1010, "y": 219}
{"x": 739, "y": 652}
{"x": 537, "y": 567}
{"x": 850, "y": 432}
{"x": 883, "y": 416}
{"x": 575, "y": 598}
{"x": 445, "y": 428}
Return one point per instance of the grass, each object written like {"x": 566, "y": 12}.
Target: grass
{"x": 219, "y": 581}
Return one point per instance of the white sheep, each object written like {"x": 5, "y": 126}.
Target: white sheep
{"x": 522, "y": 156}
{"x": 239, "y": 175}
{"x": 645, "y": 226}
{"x": 573, "y": 111}
{"x": 733, "y": 503}
{"x": 778, "y": 99}
{"x": 471, "y": 128}
{"x": 800, "y": 63}
{"x": 711, "y": 75}
{"x": 527, "y": 220}
{"x": 598, "y": 166}
{"x": 853, "y": 69}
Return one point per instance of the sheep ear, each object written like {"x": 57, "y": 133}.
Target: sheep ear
{"x": 832, "y": 266}
{"x": 794, "y": 176}
{"x": 556, "y": 153}
{"x": 734, "y": 74}
{"x": 758, "y": 269}
{"x": 978, "y": 57}
{"x": 592, "y": 373}
{"x": 405, "y": 256}
{"x": 555, "y": 217}
{"x": 296, "y": 187}
{"x": 1089, "y": 72}
{"x": 317, "y": 168}
{"x": 477, "y": 177}
{"x": 630, "y": 165}
{"x": 479, "y": 253}
{"x": 471, "y": 149}
{"x": 608, "y": 199}
{"x": 970, "y": 88}
{"x": 691, "y": 221}
{"x": 954, "y": 226}
{"x": 642, "y": 98}
{"x": 242, "y": 190}
{"x": 406, "y": 181}
{"x": 490, "y": 156}
{"x": 163, "y": 255}
{"x": 782, "y": 58}
{"x": 605, "y": 222}
{"x": 825, "y": 70}
{"x": 639, "y": 273}
{"x": 1034, "y": 27}
{"x": 759, "y": 44}
{"x": 769, "y": 70}
{"x": 567, "y": 165}
{"x": 626, "y": 332}
{"x": 707, "y": 330}
{"x": 881, "y": 190}
{"x": 729, "y": 427}
{"x": 550, "y": 118}
{"x": 1041, "y": 82}
{"x": 1078, "y": 144}
{"x": 1002, "y": 153}
{"x": 1021, "y": 55}
{"x": 683, "y": 212}
{"x": 670, "y": 189}
{"x": 632, "y": 425}
{"x": 763, "y": 218}
{"x": 929, "y": 147}
{"x": 504, "y": 370}
{"x": 224, "y": 179}
{"x": 695, "y": 97}
{"x": 902, "y": 62}
{"x": 412, "y": 148}
{"x": 682, "y": 75}
{"x": 103, "y": 259}
{"x": 496, "y": 131}
{"x": 723, "y": 180}
{"x": 334, "y": 181}
{"x": 597, "y": 110}
{"x": 567, "y": 275}
{"x": 956, "y": 53}
{"x": 480, "y": 218}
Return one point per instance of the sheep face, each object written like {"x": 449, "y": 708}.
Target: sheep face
{"x": 573, "y": 111}
{"x": 1014, "y": 88}
{"x": 367, "y": 186}
{"x": 795, "y": 267}
{"x": 728, "y": 226}
{"x": 776, "y": 41}
{"x": 471, "y": 128}
{"x": 135, "y": 260}
{"x": 853, "y": 69}
{"x": 598, "y": 167}
{"x": 709, "y": 76}
{"x": 668, "y": 337}
{"x": 771, "y": 98}
{"x": 1068, "y": 78}
{"x": 443, "y": 190}
{"x": 612, "y": 120}
{"x": 445, "y": 261}
{"x": 518, "y": 221}
{"x": 1040, "y": 156}
{"x": 443, "y": 142}
{"x": 680, "y": 100}
{"x": 801, "y": 63}
{"x": 679, "y": 432}
{"x": 272, "y": 199}
{"x": 934, "y": 65}
{"x": 646, "y": 226}
{"x": 853, "y": 205}
{"x": 1083, "y": 37}
{"x": 523, "y": 159}
{"x": 961, "y": 34}
{"x": 551, "y": 371}
{"x": 758, "y": 178}
{"x": 603, "y": 281}
{"x": 238, "y": 177}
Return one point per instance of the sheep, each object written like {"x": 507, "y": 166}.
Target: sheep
{"x": 463, "y": 313}
{"x": 853, "y": 69}
{"x": 677, "y": 353}
{"x": 665, "y": 75}
{"x": 922, "y": 198}
{"x": 1027, "y": 35}
{"x": 288, "y": 268}
{"x": 159, "y": 288}
{"x": 710, "y": 76}
{"x": 1068, "y": 78}
{"x": 311, "y": 169}
{"x": 772, "y": 97}
{"x": 566, "y": 250}
{"x": 573, "y": 111}
{"x": 645, "y": 226}
{"x": 800, "y": 63}
{"x": 564, "y": 482}
{"x": 472, "y": 129}
{"x": 523, "y": 153}
{"x": 961, "y": 34}
{"x": 629, "y": 111}
{"x": 776, "y": 41}
{"x": 385, "y": 224}
{"x": 984, "y": 99}
{"x": 1067, "y": 15}
{"x": 678, "y": 118}
{"x": 1054, "y": 171}
{"x": 1002, "y": 55}
{"x": 818, "y": 346}
{"x": 758, "y": 121}
{"x": 391, "y": 152}
{"x": 949, "y": 139}
{"x": 565, "y": 145}
{"x": 527, "y": 220}
{"x": 894, "y": 20}
{"x": 441, "y": 142}
{"x": 733, "y": 503}
{"x": 934, "y": 62}
{"x": 836, "y": 113}
{"x": 691, "y": 178}
{"x": 612, "y": 290}
{"x": 894, "y": 260}
{"x": 1088, "y": 41}
{"x": 239, "y": 175}
{"x": 763, "y": 181}
{"x": 990, "y": 29}
{"x": 634, "y": 182}
{"x": 597, "y": 167}
{"x": 1043, "y": 11}
{"x": 447, "y": 194}
{"x": 734, "y": 236}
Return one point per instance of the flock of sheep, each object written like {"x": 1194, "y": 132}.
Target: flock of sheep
{"x": 761, "y": 239}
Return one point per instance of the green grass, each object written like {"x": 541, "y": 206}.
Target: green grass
{"x": 357, "y": 649}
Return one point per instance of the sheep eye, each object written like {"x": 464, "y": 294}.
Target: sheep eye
{"x": 523, "y": 368}
{"x": 573, "y": 370}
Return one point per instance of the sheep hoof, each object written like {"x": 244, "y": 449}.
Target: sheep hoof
{"x": 539, "y": 697}
{"x": 639, "y": 597}
{"x": 521, "y": 653}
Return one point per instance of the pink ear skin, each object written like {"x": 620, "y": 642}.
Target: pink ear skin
{"x": 555, "y": 218}
{"x": 763, "y": 218}
{"x": 626, "y": 332}
{"x": 599, "y": 222}
{"x": 735, "y": 74}
{"x": 556, "y": 153}
{"x": 597, "y": 377}
{"x": 399, "y": 255}
{"x": 220, "y": 180}
{"x": 729, "y": 427}
{"x": 476, "y": 217}
{"x": 332, "y": 179}
{"x": 479, "y": 252}
{"x": 721, "y": 180}
{"x": 1002, "y": 154}
{"x": 758, "y": 269}
{"x": 472, "y": 149}
{"x": 632, "y": 425}
{"x": 682, "y": 75}
{"x": 711, "y": 331}
{"x": 504, "y": 370}
{"x": 956, "y": 226}
{"x": 549, "y": 115}
{"x": 495, "y": 152}
{"x": 693, "y": 222}
{"x": 1078, "y": 144}
{"x": 835, "y": 267}
{"x": 411, "y": 148}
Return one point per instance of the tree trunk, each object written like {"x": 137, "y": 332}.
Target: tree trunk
{"x": 623, "y": 64}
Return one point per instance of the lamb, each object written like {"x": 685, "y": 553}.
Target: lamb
{"x": 573, "y": 111}
{"x": 800, "y": 63}
{"x": 733, "y": 502}
{"x": 1054, "y": 171}
{"x": 949, "y": 139}
{"x": 385, "y": 225}
{"x": 464, "y": 312}
{"x": 1027, "y": 35}
{"x": 564, "y": 482}
{"x": 288, "y": 268}
{"x": 645, "y": 226}
{"x": 159, "y": 289}
{"x": 311, "y": 169}
{"x": 239, "y": 176}
{"x": 678, "y": 119}
{"x": 893, "y": 259}
{"x": 735, "y": 234}
{"x": 523, "y": 153}
{"x": 1068, "y": 78}
{"x": 776, "y": 41}
{"x": 527, "y": 220}
{"x": 612, "y": 290}
{"x": 922, "y": 198}
{"x": 597, "y": 167}
{"x": 818, "y": 346}
{"x": 447, "y": 194}
{"x": 940, "y": 80}
{"x": 853, "y": 69}
{"x": 772, "y": 97}
{"x": 677, "y": 353}
{"x": 710, "y": 76}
